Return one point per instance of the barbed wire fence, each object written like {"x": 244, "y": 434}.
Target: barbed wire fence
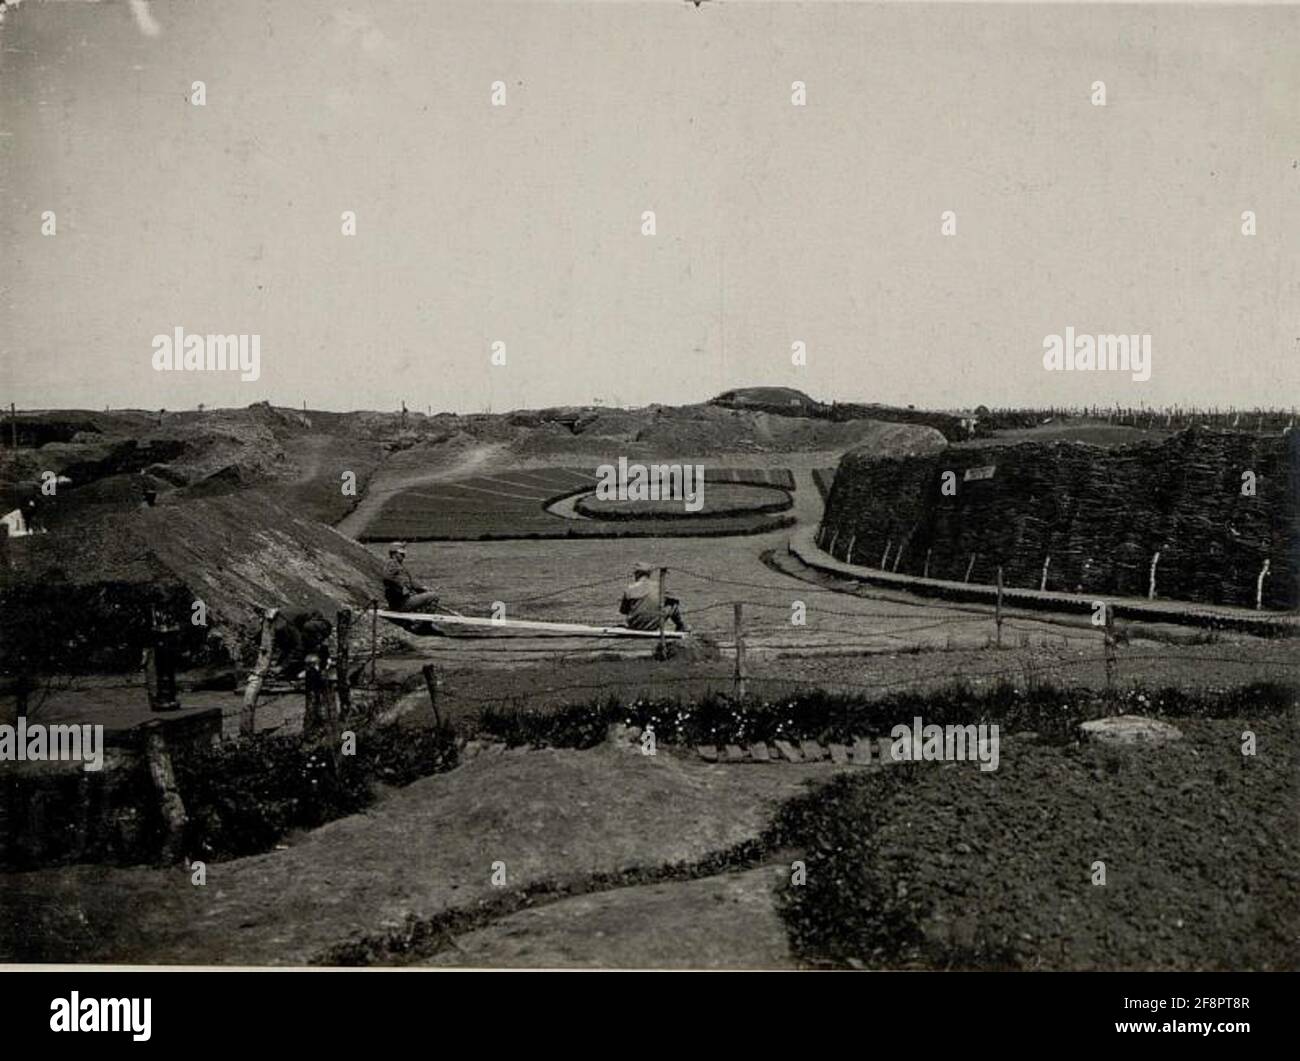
{"x": 846, "y": 641}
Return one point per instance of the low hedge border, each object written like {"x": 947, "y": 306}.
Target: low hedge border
{"x": 587, "y": 507}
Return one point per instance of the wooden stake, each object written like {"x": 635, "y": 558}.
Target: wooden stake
{"x": 169, "y": 796}
{"x": 314, "y": 711}
{"x": 430, "y": 673}
{"x": 254, "y": 686}
{"x": 1151, "y": 584}
{"x": 151, "y": 677}
{"x": 163, "y": 660}
{"x": 739, "y": 628}
{"x": 663, "y": 572}
{"x": 926, "y": 572}
{"x": 997, "y": 608}
{"x": 970, "y": 567}
{"x": 374, "y": 638}
{"x": 1109, "y": 648}
{"x": 1042, "y": 586}
{"x": 343, "y": 622}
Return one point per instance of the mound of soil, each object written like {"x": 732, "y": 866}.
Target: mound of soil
{"x": 929, "y": 866}
{"x": 235, "y": 553}
{"x": 703, "y": 430}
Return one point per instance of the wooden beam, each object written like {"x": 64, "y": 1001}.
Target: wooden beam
{"x": 528, "y": 624}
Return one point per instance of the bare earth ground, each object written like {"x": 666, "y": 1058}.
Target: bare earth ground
{"x": 727, "y": 921}
{"x": 548, "y": 815}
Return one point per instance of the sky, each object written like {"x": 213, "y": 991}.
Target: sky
{"x": 522, "y": 224}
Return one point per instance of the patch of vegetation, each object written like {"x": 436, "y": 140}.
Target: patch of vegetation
{"x": 916, "y": 867}
{"x": 720, "y": 501}
{"x": 243, "y": 797}
{"x": 1053, "y": 711}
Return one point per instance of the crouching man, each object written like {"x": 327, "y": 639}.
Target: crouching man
{"x": 297, "y": 634}
{"x": 401, "y": 591}
{"x": 641, "y": 602}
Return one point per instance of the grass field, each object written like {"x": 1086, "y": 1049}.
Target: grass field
{"x": 513, "y": 504}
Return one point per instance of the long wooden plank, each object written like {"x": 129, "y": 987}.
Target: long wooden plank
{"x": 527, "y": 624}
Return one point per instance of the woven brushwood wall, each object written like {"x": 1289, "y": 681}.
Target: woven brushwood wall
{"x": 1100, "y": 515}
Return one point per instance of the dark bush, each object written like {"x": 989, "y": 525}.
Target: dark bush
{"x": 242, "y": 798}
{"x": 1052, "y": 711}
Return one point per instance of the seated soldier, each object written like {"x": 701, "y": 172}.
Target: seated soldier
{"x": 641, "y": 602}
{"x": 401, "y": 591}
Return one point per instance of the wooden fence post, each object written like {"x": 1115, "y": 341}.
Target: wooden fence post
{"x": 884, "y": 560}
{"x": 1042, "y": 585}
{"x": 1259, "y": 587}
{"x": 1151, "y": 586}
{"x": 374, "y": 638}
{"x": 1108, "y": 642}
{"x": 970, "y": 567}
{"x": 739, "y": 624}
{"x": 926, "y": 572}
{"x": 161, "y": 664}
{"x": 169, "y": 796}
{"x": 848, "y": 553}
{"x": 663, "y": 573}
{"x": 313, "y": 716}
{"x": 254, "y": 684}
{"x": 344, "y": 630}
{"x": 997, "y": 611}
{"x": 430, "y": 673}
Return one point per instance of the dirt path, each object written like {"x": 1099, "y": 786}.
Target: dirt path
{"x": 725, "y": 922}
{"x": 390, "y": 480}
{"x": 546, "y": 816}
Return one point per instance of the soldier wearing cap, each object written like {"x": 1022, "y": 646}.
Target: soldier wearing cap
{"x": 641, "y": 602}
{"x": 401, "y": 591}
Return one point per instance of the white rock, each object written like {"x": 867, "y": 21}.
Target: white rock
{"x": 1130, "y": 730}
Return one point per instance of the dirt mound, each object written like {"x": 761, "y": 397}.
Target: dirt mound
{"x": 703, "y": 430}
{"x": 766, "y": 396}
{"x": 234, "y": 552}
{"x": 1177, "y": 857}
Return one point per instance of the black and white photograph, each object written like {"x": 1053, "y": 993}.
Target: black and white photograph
{"x": 684, "y": 485}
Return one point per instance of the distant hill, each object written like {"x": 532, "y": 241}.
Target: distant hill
{"x": 769, "y": 399}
